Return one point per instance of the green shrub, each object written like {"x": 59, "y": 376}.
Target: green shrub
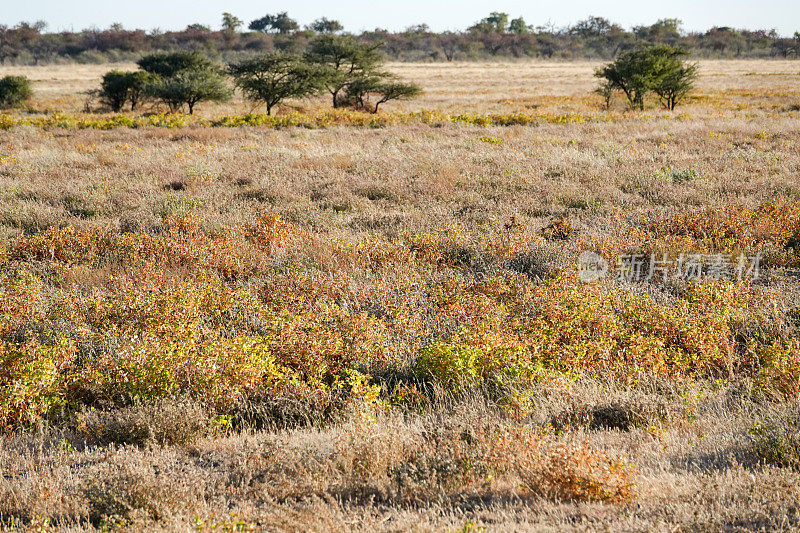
{"x": 460, "y": 364}
{"x": 378, "y": 86}
{"x": 346, "y": 60}
{"x": 120, "y": 87}
{"x": 189, "y": 88}
{"x": 453, "y": 365}
{"x": 30, "y": 382}
{"x": 169, "y": 64}
{"x": 14, "y": 90}
{"x": 680, "y": 175}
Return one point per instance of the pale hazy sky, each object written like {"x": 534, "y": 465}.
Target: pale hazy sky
{"x": 357, "y": 15}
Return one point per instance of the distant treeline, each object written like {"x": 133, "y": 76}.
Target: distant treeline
{"x": 494, "y": 37}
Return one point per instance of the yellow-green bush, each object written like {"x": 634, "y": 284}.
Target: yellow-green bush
{"x": 21, "y": 297}
{"x": 216, "y": 372}
{"x": 32, "y": 381}
{"x": 573, "y": 328}
{"x": 332, "y": 117}
{"x": 452, "y": 365}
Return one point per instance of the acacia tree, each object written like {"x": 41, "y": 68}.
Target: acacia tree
{"x": 673, "y": 78}
{"x": 190, "y": 87}
{"x": 664, "y": 31}
{"x": 449, "y": 43}
{"x": 272, "y": 78}
{"x": 658, "y": 69}
{"x": 382, "y": 87}
{"x": 518, "y": 26}
{"x": 496, "y": 22}
{"x": 631, "y": 73}
{"x": 167, "y": 64}
{"x": 230, "y": 25}
{"x": 280, "y": 23}
{"x": 345, "y": 59}
{"x": 324, "y": 25}
{"x": 184, "y": 78}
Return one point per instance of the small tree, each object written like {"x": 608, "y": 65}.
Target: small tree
{"x": 197, "y": 28}
{"x": 658, "y": 69}
{"x": 346, "y": 60}
{"x": 496, "y": 22}
{"x": 14, "y": 90}
{"x": 280, "y": 23}
{"x": 137, "y": 86}
{"x": 119, "y": 87}
{"x": 356, "y": 94}
{"x": 395, "y": 90}
{"x": 518, "y": 26}
{"x": 272, "y": 78}
{"x": 184, "y": 78}
{"x": 450, "y": 43}
{"x": 325, "y": 25}
{"x": 190, "y": 87}
{"x": 606, "y": 91}
{"x": 380, "y": 86}
{"x": 673, "y": 79}
{"x": 664, "y": 31}
{"x": 114, "y": 89}
{"x": 230, "y": 23}
{"x": 632, "y": 74}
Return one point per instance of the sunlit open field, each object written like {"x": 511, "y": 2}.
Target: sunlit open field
{"x": 479, "y": 87}
{"x": 386, "y": 328}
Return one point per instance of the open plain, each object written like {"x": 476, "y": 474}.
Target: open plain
{"x": 342, "y": 327}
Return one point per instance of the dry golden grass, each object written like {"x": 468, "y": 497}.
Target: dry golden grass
{"x": 348, "y": 328}
{"x": 476, "y": 87}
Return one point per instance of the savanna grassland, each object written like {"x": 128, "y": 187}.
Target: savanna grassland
{"x": 341, "y": 321}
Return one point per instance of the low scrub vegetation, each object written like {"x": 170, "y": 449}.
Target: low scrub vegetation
{"x": 339, "y": 117}
{"x": 340, "y": 319}
{"x": 147, "y": 335}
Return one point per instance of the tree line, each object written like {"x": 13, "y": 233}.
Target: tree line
{"x": 340, "y": 65}
{"x": 496, "y": 36}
